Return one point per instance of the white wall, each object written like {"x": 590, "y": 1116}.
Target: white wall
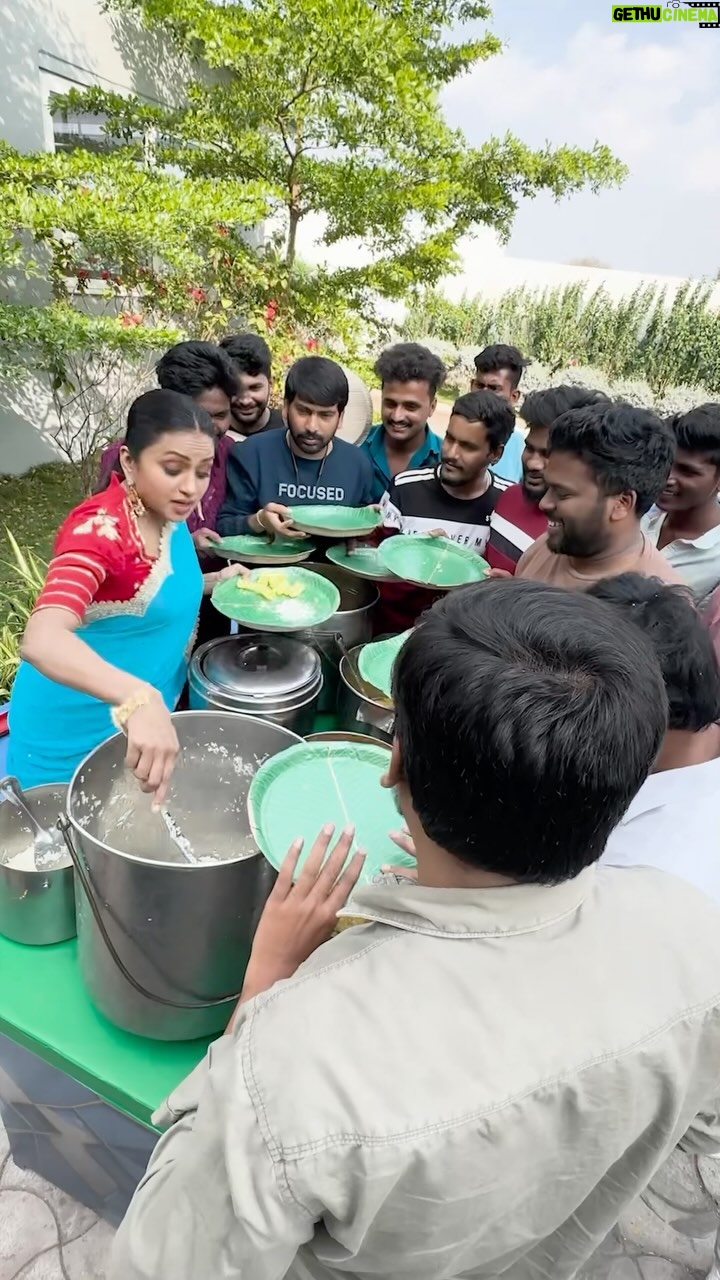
{"x": 74, "y": 40}
{"x": 62, "y": 44}
{"x": 488, "y": 270}
{"x": 56, "y": 45}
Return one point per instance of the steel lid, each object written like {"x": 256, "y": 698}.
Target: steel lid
{"x": 260, "y": 666}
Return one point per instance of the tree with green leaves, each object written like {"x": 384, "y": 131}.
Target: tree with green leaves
{"x": 122, "y": 259}
{"x": 334, "y": 109}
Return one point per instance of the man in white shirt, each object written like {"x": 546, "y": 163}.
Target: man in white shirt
{"x": 674, "y": 821}
{"x": 455, "y": 1089}
{"x": 685, "y": 524}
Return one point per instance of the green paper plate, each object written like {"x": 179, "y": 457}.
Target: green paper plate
{"x": 376, "y": 661}
{"x": 251, "y": 548}
{"x": 364, "y": 562}
{"x": 339, "y": 522}
{"x": 319, "y": 600}
{"x": 296, "y": 792}
{"x": 432, "y": 562}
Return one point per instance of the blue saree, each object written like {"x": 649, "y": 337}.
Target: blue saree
{"x": 53, "y": 727}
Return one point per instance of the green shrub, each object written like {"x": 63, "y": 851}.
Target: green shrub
{"x": 642, "y": 336}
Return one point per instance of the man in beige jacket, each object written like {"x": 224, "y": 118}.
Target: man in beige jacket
{"x": 477, "y": 1082}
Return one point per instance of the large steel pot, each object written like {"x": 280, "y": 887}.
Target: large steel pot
{"x": 163, "y": 944}
{"x": 274, "y": 677}
{"x": 37, "y": 908}
{"x": 361, "y": 707}
{"x": 350, "y": 626}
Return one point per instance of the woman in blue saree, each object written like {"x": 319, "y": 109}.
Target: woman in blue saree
{"x": 108, "y": 643}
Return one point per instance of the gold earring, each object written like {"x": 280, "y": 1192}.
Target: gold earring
{"x": 135, "y": 502}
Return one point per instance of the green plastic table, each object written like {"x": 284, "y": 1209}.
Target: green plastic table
{"x": 44, "y": 1007}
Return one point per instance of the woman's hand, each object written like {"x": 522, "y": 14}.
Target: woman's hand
{"x": 153, "y": 747}
{"x": 210, "y": 580}
{"x": 232, "y": 571}
{"x": 498, "y": 573}
{"x": 299, "y": 917}
{"x": 277, "y": 519}
{"x": 204, "y": 539}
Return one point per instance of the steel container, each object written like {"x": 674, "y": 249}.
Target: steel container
{"x": 350, "y": 626}
{"x": 36, "y": 907}
{"x": 361, "y": 707}
{"x": 163, "y": 943}
{"x": 274, "y": 677}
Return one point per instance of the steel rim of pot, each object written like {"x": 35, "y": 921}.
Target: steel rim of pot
{"x": 207, "y": 686}
{"x": 345, "y": 581}
{"x": 181, "y": 867}
{"x": 347, "y": 665}
{"x": 235, "y": 701}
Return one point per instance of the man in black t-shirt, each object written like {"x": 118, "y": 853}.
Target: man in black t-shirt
{"x": 251, "y": 412}
{"x": 456, "y": 498}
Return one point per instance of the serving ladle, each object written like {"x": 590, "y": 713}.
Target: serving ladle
{"x": 47, "y": 845}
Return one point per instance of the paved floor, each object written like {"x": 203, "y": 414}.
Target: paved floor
{"x": 44, "y": 1235}
{"x": 669, "y": 1235}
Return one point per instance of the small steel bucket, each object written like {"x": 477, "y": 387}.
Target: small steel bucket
{"x": 37, "y": 908}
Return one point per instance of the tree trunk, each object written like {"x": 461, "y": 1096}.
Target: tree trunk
{"x": 292, "y": 236}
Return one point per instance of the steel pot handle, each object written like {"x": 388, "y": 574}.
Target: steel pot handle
{"x": 89, "y": 891}
{"x": 325, "y": 644}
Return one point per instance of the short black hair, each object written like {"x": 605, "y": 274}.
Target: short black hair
{"x": 681, "y": 642}
{"x": 410, "y": 362}
{"x": 699, "y": 431}
{"x": 318, "y": 381}
{"x": 499, "y": 356}
{"x": 249, "y": 353}
{"x": 628, "y": 450}
{"x": 193, "y": 367}
{"x": 527, "y": 719}
{"x": 492, "y": 410}
{"x": 543, "y": 408}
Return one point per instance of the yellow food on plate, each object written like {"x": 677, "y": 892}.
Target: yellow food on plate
{"x": 271, "y": 585}
{"x": 349, "y": 922}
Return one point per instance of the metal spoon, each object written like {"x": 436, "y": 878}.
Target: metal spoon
{"x": 47, "y": 845}
{"x": 180, "y": 841}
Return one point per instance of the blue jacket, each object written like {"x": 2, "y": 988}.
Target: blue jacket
{"x": 428, "y": 455}
{"x": 263, "y": 469}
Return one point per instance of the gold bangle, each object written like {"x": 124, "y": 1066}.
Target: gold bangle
{"x": 120, "y": 715}
{"x": 258, "y": 514}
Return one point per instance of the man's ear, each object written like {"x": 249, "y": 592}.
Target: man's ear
{"x": 394, "y": 775}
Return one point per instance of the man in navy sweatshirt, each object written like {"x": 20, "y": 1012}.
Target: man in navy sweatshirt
{"x": 303, "y": 466}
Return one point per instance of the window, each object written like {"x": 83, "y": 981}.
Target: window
{"x": 76, "y": 129}
{"x": 66, "y": 130}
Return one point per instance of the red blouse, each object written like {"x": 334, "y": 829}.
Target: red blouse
{"x": 99, "y": 557}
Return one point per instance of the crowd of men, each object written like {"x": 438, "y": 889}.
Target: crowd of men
{"x": 480, "y": 1080}
{"x": 575, "y": 489}
{"x": 577, "y": 492}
